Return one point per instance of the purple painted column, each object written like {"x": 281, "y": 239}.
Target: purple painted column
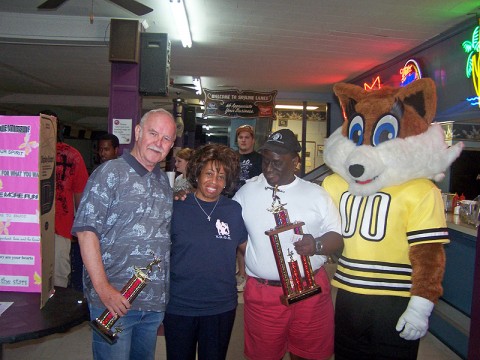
{"x": 125, "y": 99}
{"x": 474, "y": 339}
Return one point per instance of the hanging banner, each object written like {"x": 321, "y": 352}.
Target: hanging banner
{"x": 240, "y": 104}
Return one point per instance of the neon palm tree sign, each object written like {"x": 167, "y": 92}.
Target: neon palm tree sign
{"x": 472, "y": 48}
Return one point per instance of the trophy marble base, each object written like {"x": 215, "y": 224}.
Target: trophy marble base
{"x": 106, "y": 334}
{"x": 291, "y": 299}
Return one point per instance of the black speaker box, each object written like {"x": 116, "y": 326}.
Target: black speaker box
{"x": 154, "y": 64}
{"x": 189, "y": 121}
{"x": 124, "y": 41}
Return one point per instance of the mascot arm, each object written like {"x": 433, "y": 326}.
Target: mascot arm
{"x": 428, "y": 264}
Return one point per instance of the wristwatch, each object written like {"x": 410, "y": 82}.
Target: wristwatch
{"x": 318, "y": 247}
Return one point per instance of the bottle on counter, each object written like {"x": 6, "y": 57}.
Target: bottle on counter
{"x": 456, "y": 204}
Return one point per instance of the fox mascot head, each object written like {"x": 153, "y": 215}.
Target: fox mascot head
{"x": 387, "y": 137}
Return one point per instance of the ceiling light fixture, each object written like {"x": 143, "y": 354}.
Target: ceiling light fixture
{"x": 295, "y": 107}
{"x": 181, "y": 19}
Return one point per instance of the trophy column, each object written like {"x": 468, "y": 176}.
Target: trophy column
{"x": 294, "y": 287}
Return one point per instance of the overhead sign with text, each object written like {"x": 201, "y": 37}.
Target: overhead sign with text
{"x": 237, "y": 103}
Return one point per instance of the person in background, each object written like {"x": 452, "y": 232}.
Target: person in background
{"x": 206, "y": 230}
{"x": 70, "y": 179}
{"x": 250, "y": 160}
{"x": 181, "y": 159}
{"x": 123, "y": 222}
{"x": 250, "y": 166}
{"x": 305, "y": 328}
{"x": 108, "y": 147}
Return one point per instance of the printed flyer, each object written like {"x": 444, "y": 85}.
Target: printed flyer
{"x": 27, "y": 198}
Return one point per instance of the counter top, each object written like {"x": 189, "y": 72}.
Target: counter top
{"x": 454, "y": 222}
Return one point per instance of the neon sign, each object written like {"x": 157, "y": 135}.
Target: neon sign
{"x": 472, "y": 69}
{"x": 410, "y": 72}
{"x": 376, "y": 85}
{"x": 474, "y": 101}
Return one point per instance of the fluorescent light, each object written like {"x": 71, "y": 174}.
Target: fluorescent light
{"x": 295, "y": 107}
{"x": 198, "y": 85}
{"x": 180, "y": 16}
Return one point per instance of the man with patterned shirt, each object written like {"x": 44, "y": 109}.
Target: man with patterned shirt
{"x": 123, "y": 221}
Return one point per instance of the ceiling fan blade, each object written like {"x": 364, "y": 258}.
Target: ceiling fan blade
{"x": 133, "y": 6}
{"x": 50, "y": 4}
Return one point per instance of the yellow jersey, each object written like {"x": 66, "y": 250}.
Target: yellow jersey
{"x": 378, "y": 231}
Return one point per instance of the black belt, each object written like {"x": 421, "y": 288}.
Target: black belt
{"x": 268, "y": 282}
{"x": 277, "y": 282}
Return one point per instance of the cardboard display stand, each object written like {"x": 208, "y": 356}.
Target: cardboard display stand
{"x": 27, "y": 204}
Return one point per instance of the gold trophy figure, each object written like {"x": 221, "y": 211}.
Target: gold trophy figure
{"x": 294, "y": 287}
{"x": 103, "y": 324}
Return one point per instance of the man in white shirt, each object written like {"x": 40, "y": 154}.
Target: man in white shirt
{"x": 305, "y": 329}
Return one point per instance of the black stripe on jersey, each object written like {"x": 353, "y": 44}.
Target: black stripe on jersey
{"x": 427, "y": 235}
{"x": 372, "y": 283}
{"x": 375, "y": 266}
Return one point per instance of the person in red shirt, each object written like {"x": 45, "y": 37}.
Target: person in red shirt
{"x": 70, "y": 179}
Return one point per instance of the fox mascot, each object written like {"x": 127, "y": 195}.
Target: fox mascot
{"x": 393, "y": 222}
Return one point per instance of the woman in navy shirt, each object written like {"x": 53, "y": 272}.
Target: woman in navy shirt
{"x": 207, "y": 227}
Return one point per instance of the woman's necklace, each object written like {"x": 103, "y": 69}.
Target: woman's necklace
{"x": 200, "y": 206}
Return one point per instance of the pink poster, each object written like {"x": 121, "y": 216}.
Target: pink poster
{"x": 20, "y": 229}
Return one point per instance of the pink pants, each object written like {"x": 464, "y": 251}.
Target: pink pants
{"x": 305, "y": 328}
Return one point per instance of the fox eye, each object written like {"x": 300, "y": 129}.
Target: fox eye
{"x": 386, "y": 129}
{"x": 356, "y": 130}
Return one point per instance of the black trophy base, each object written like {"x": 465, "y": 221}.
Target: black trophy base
{"x": 105, "y": 333}
{"x": 304, "y": 294}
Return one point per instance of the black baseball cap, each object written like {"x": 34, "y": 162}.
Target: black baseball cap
{"x": 282, "y": 141}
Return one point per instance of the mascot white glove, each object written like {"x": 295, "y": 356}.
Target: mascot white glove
{"x": 414, "y": 321}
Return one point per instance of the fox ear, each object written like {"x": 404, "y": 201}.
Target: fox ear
{"x": 420, "y": 100}
{"x": 422, "y": 97}
{"x": 348, "y": 95}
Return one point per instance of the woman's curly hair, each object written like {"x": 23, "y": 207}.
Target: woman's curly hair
{"x": 220, "y": 155}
